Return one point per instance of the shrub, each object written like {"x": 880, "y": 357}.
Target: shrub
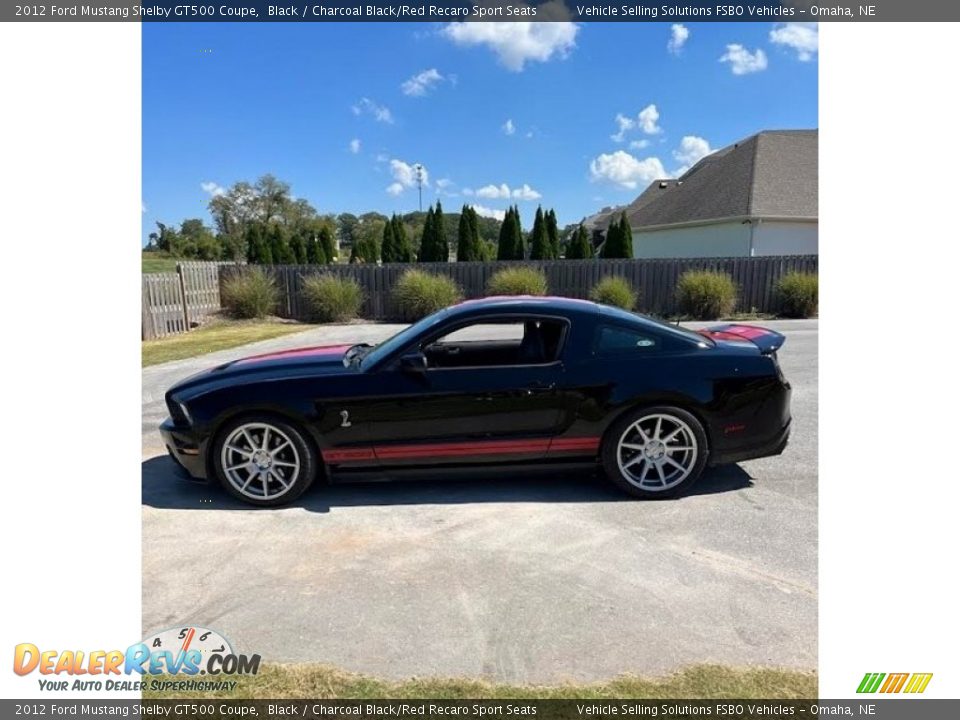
{"x": 251, "y": 294}
{"x": 332, "y": 298}
{"x": 420, "y": 293}
{"x": 615, "y": 291}
{"x": 798, "y": 293}
{"x": 706, "y": 295}
{"x": 518, "y": 281}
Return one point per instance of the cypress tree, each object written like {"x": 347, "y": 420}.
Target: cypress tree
{"x": 388, "y": 249}
{"x": 327, "y": 244}
{"x": 468, "y": 246}
{"x": 519, "y": 247}
{"x": 426, "y": 239}
{"x": 401, "y": 240}
{"x": 553, "y": 234}
{"x": 539, "y": 242}
{"x": 254, "y": 241}
{"x": 280, "y": 246}
{"x": 580, "y": 247}
{"x": 315, "y": 253}
{"x": 298, "y": 247}
{"x": 441, "y": 249}
{"x": 626, "y": 236}
{"x": 476, "y": 244}
{"x": 505, "y": 241}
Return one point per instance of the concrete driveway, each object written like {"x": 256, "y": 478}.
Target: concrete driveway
{"x": 527, "y": 580}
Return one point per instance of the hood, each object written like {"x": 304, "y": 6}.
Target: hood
{"x": 319, "y": 360}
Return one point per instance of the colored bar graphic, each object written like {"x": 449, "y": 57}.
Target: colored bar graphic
{"x": 870, "y": 682}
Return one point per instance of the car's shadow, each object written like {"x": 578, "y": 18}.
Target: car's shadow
{"x": 163, "y": 487}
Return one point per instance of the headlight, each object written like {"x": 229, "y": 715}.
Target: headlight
{"x": 185, "y": 413}
{"x": 179, "y": 413}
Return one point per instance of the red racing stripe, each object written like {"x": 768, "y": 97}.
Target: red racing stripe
{"x": 462, "y": 449}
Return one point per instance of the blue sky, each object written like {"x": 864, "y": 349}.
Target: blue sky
{"x": 571, "y": 116}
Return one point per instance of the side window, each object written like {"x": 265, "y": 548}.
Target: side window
{"x": 615, "y": 340}
{"x": 528, "y": 341}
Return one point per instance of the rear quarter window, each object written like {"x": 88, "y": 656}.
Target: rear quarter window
{"x": 617, "y": 340}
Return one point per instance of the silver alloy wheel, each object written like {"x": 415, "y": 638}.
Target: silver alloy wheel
{"x": 657, "y": 452}
{"x": 260, "y": 460}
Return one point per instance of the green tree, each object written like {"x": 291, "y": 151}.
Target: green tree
{"x": 539, "y": 242}
{"x": 619, "y": 242}
{"x": 402, "y": 240}
{"x": 258, "y": 249}
{"x": 441, "y": 246}
{"x": 298, "y": 247}
{"x": 316, "y": 255}
{"x": 469, "y": 245}
{"x": 426, "y": 239}
{"x": 505, "y": 241}
{"x": 280, "y": 245}
{"x": 388, "y": 248}
{"x": 579, "y": 247}
{"x": 553, "y": 234}
{"x": 327, "y": 243}
{"x": 519, "y": 248}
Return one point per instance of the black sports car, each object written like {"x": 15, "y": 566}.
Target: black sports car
{"x": 490, "y": 383}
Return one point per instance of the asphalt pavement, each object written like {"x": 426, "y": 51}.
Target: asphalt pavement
{"x": 520, "y": 579}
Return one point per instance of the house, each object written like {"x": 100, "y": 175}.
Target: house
{"x": 755, "y": 197}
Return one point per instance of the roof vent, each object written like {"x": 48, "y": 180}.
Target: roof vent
{"x": 663, "y": 184}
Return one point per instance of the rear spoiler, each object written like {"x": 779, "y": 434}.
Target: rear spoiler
{"x": 767, "y": 340}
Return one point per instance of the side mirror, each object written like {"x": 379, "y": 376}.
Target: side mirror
{"x": 415, "y": 362}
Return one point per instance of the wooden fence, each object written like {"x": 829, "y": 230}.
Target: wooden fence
{"x": 175, "y": 302}
{"x": 656, "y": 280}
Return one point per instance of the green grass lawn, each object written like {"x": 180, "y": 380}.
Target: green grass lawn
{"x": 154, "y": 262}
{"x": 218, "y": 335}
{"x": 700, "y": 681}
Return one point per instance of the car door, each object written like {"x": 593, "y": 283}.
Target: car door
{"x": 479, "y": 404}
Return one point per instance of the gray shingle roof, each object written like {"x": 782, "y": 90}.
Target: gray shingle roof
{"x": 770, "y": 174}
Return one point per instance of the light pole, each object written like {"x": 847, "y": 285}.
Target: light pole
{"x": 419, "y": 168}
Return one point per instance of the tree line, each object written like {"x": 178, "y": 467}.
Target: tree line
{"x": 263, "y": 223}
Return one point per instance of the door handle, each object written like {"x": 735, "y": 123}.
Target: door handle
{"x": 539, "y": 387}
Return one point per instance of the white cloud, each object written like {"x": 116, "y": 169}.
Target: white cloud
{"x": 624, "y": 124}
{"x": 623, "y": 169}
{"x": 742, "y": 61}
{"x": 380, "y": 113}
{"x": 679, "y": 34}
{"x": 405, "y": 176}
{"x": 639, "y": 144}
{"x": 508, "y": 127}
{"x": 467, "y": 191}
{"x": 802, "y": 37}
{"x": 489, "y": 212}
{"x": 516, "y": 43}
{"x": 421, "y": 83}
{"x": 692, "y": 149}
{"x": 646, "y": 120}
{"x": 444, "y": 186}
{"x": 355, "y": 146}
{"x": 526, "y": 193}
{"x": 212, "y": 189}
{"x": 503, "y": 192}
{"x": 382, "y": 157}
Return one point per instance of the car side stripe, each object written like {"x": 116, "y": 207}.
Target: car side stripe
{"x": 487, "y": 447}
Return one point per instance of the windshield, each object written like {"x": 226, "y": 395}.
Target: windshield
{"x": 394, "y": 343}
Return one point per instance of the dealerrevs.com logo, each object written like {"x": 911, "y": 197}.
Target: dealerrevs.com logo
{"x": 169, "y": 660}
{"x": 910, "y": 683}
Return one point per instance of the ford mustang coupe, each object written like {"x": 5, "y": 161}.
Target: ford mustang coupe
{"x": 500, "y": 383}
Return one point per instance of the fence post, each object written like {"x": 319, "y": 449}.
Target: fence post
{"x": 183, "y": 298}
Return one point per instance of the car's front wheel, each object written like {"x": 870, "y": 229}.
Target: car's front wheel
{"x": 263, "y": 460}
{"x": 655, "y": 452}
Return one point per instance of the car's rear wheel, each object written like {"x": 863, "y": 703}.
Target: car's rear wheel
{"x": 263, "y": 460}
{"x": 655, "y": 452}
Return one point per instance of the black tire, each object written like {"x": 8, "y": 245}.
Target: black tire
{"x": 624, "y": 429}
{"x": 289, "y": 447}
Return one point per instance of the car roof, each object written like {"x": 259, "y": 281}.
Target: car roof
{"x": 525, "y": 304}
